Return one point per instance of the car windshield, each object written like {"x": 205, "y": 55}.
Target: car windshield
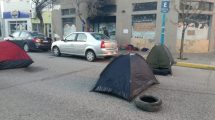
{"x": 99, "y": 36}
{"x": 35, "y": 34}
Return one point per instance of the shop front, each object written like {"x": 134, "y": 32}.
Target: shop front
{"x": 105, "y": 25}
{"x": 143, "y": 30}
{"x": 47, "y": 19}
{"x": 16, "y": 20}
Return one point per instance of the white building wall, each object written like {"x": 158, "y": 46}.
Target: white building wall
{"x": 24, "y": 6}
{"x": 11, "y": 5}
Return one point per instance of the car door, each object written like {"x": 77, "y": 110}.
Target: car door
{"x": 15, "y": 37}
{"x": 80, "y": 44}
{"x": 68, "y": 44}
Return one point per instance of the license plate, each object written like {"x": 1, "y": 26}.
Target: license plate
{"x": 45, "y": 41}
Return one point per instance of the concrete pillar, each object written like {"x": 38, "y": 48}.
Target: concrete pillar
{"x": 123, "y": 22}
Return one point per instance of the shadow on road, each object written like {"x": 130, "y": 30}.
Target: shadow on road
{"x": 35, "y": 69}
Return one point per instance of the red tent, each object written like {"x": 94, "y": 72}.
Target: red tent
{"x": 13, "y": 56}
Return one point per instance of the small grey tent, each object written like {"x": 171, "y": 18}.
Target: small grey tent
{"x": 126, "y": 77}
{"x": 160, "y": 59}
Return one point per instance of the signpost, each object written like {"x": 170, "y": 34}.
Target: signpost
{"x": 164, "y": 10}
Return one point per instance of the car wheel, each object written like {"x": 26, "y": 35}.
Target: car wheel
{"x": 90, "y": 55}
{"x": 56, "y": 51}
{"x": 148, "y": 103}
{"x": 26, "y": 48}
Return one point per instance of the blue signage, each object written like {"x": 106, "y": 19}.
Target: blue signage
{"x": 165, "y": 6}
{"x": 15, "y": 14}
{"x": 164, "y": 10}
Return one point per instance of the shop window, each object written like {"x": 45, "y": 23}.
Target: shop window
{"x": 196, "y": 30}
{"x": 70, "y": 11}
{"x": 145, "y": 6}
{"x": 110, "y": 27}
{"x": 36, "y": 27}
{"x": 17, "y": 25}
{"x": 68, "y": 26}
{"x": 48, "y": 30}
{"x": 144, "y": 28}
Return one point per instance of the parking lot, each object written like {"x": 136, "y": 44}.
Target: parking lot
{"x": 58, "y": 88}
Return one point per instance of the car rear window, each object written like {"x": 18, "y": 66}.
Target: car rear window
{"x": 99, "y": 36}
{"x": 35, "y": 34}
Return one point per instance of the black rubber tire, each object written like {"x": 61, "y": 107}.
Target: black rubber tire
{"x": 148, "y": 103}
{"x": 90, "y": 56}
{"x": 56, "y": 51}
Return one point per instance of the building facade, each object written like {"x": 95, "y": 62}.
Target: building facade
{"x": 15, "y": 16}
{"x": 139, "y": 22}
{"x": 21, "y": 15}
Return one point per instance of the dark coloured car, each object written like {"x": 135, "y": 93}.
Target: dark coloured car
{"x": 31, "y": 41}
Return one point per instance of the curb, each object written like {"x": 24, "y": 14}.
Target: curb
{"x": 194, "y": 65}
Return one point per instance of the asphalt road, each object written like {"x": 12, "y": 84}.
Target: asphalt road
{"x": 57, "y": 88}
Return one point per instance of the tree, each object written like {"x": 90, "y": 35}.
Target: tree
{"x": 39, "y": 7}
{"x": 93, "y": 8}
{"x": 189, "y": 12}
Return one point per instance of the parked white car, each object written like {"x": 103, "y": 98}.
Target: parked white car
{"x": 90, "y": 45}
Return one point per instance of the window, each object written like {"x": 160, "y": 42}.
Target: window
{"x": 99, "y": 36}
{"x": 70, "y": 11}
{"x": 109, "y": 9}
{"x": 144, "y": 18}
{"x": 197, "y": 5}
{"x": 197, "y": 29}
{"x": 81, "y": 37}
{"x": 36, "y": 34}
{"x": 24, "y": 35}
{"x": 144, "y": 26}
{"x": 145, "y": 6}
{"x": 17, "y": 25}
{"x": 68, "y": 26}
{"x": 16, "y": 34}
{"x": 71, "y": 37}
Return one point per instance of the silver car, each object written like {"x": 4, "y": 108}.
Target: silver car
{"x": 90, "y": 45}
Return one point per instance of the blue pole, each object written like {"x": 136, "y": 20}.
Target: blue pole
{"x": 162, "y": 36}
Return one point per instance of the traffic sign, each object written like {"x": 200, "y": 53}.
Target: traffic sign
{"x": 165, "y": 6}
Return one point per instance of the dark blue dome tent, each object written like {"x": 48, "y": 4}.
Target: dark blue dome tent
{"x": 126, "y": 77}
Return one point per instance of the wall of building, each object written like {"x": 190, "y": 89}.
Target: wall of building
{"x": 16, "y": 15}
{"x": 57, "y": 17}
{"x": 124, "y": 25}
{"x": 11, "y": 5}
{"x": 129, "y": 32}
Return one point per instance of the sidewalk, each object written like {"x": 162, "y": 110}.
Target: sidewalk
{"x": 198, "y": 58}
{"x": 193, "y": 58}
